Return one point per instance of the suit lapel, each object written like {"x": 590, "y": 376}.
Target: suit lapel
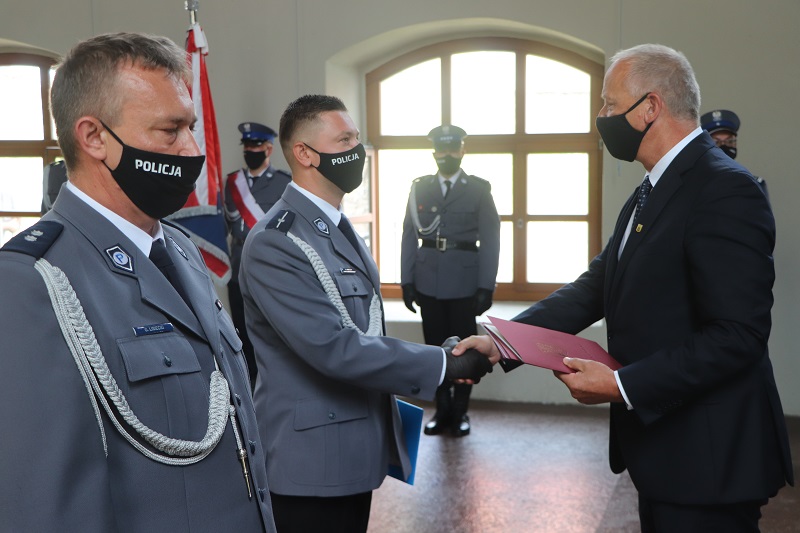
{"x": 668, "y": 184}
{"x": 114, "y": 248}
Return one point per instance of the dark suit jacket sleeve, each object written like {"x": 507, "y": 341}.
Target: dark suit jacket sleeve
{"x": 52, "y": 464}
{"x": 729, "y": 266}
{"x": 489, "y": 237}
{"x": 288, "y": 294}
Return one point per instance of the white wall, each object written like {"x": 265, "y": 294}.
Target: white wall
{"x": 266, "y": 53}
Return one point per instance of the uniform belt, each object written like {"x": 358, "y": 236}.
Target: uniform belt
{"x": 443, "y": 243}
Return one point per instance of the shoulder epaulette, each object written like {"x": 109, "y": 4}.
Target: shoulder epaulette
{"x": 176, "y": 226}
{"x": 282, "y": 221}
{"x": 36, "y": 240}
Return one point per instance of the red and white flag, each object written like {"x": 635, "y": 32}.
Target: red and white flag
{"x": 202, "y": 216}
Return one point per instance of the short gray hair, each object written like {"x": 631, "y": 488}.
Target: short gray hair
{"x": 655, "y": 67}
{"x": 86, "y": 79}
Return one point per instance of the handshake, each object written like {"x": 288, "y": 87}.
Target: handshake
{"x": 471, "y": 365}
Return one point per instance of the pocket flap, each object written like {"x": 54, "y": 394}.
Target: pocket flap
{"x": 316, "y": 412}
{"x": 157, "y": 355}
{"x": 350, "y": 285}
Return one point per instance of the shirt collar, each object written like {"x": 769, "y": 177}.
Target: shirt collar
{"x": 334, "y": 214}
{"x": 664, "y": 162}
{"x": 452, "y": 179}
{"x": 139, "y": 237}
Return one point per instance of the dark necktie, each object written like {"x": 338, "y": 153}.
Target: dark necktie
{"x": 347, "y": 229}
{"x": 644, "y": 192}
{"x": 160, "y": 257}
{"x": 447, "y": 185}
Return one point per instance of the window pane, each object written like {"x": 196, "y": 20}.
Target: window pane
{"x": 498, "y": 169}
{"x": 411, "y": 100}
{"x": 556, "y": 97}
{"x": 505, "y": 272}
{"x": 557, "y": 251}
{"x": 10, "y": 226}
{"x": 53, "y": 134}
{"x": 20, "y": 103}
{"x": 397, "y": 169}
{"x": 558, "y": 184}
{"x": 483, "y": 86}
{"x": 21, "y": 183}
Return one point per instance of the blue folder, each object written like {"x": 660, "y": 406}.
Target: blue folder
{"x": 411, "y": 416}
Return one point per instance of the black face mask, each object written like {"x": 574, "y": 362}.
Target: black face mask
{"x": 345, "y": 169}
{"x": 730, "y": 151}
{"x": 158, "y": 184}
{"x": 621, "y": 139}
{"x": 254, "y": 160}
{"x": 448, "y": 165}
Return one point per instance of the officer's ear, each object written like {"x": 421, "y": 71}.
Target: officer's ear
{"x": 268, "y": 149}
{"x": 304, "y": 155}
{"x": 91, "y": 138}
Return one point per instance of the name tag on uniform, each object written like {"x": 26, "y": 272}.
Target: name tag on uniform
{"x": 347, "y": 271}
{"x": 152, "y": 329}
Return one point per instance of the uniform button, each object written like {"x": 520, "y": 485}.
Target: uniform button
{"x": 355, "y": 287}
{"x": 414, "y": 390}
{"x": 252, "y": 446}
{"x": 167, "y": 360}
{"x": 332, "y": 415}
{"x": 238, "y": 399}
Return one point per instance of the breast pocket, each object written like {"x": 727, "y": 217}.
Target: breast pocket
{"x": 157, "y": 355}
{"x": 356, "y": 295}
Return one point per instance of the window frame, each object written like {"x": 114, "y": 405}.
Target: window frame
{"x": 46, "y": 148}
{"x": 519, "y": 144}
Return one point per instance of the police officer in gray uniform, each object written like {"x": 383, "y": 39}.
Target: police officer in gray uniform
{"x": 327, "y": 374}
{"x": 249, "y": 193}
{"x": 126, "y": 405}
{"x": 449, "y": 257}
{"x": 723, "y": 126}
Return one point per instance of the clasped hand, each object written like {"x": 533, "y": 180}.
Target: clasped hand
{"x": 466, "y": 366}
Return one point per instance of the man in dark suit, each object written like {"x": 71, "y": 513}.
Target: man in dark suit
{"x": 249, "y": 193}
{"x": 327, "y": 374}
{"x": 685, "y": 287}
{"x": 449, "y": 257}
{"x": 127, "y": 406}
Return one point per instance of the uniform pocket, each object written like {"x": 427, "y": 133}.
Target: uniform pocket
{"x": 157, "y": 355}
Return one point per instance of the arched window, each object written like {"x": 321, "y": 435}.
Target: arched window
{"x": 528, "y": 109}
{"x": 27, "y": 138}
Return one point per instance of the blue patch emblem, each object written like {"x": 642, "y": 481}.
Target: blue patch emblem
{"x": 120, "y": 258}
{"x": 322, "y": 226}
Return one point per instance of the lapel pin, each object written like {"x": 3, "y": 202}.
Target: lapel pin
{"x": 638, "y": 228}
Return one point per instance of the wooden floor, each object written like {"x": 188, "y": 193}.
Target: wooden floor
{"x": 531, "y": 468}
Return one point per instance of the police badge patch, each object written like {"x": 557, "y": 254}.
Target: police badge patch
{"x": 120, "y": 258}
{"x": 322, "y": 226}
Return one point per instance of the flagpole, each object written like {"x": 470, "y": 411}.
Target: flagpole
{"x": 192, "y": 6}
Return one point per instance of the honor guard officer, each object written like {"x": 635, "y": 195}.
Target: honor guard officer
{"x": 449, "y": 257}
{"x": 723, "y": 126}
{"x": 249, "y": 193}
{"x": 311, "y": 290}
{"x": 127, "y": 406}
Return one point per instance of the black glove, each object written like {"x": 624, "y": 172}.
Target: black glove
{"x": 469, "y": 365}
{"x": 409, "y": 295}
{"x": 483, "y": 301}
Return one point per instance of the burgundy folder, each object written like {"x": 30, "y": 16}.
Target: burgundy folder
{"x": 524, "y": 344}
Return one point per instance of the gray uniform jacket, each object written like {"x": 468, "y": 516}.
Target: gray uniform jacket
{"x": 323, "y": 397}
{"x": 468, "y": 214}
{"x": 54, "y": 473}
{"x": 266, "y": 190}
